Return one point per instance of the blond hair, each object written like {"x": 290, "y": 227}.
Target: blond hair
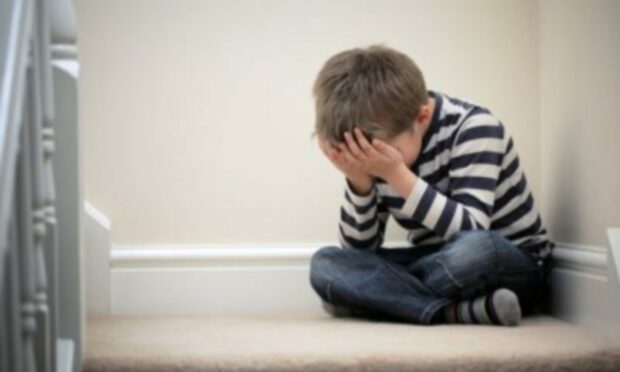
{"x": 377, "y": 89}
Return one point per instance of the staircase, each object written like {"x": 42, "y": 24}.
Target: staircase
{"x": 181, "y": 308}
{"x": 40, "y": 309}
{"x": 41, "y": 312}
{"x": 324, "y": 343}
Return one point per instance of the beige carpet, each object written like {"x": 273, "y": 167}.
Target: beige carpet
{"x": 324, "y": 343}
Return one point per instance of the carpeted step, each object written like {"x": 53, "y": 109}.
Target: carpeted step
{"x": 323, "y": 343}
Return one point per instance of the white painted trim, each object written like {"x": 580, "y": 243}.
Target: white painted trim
{"x": 68, "y": 66}
{"x": 613, "y": 235}
{"x": 586, "y": 259}
{"x": 210, "y": 255}
{"x": 274, "y": 278}
{"x": 65, "y": 355}
{"x": 64, "y": 51}
{"x": 15, "y": 49}
{"x": 215, "y": 278}
{"x": 581, "y": 258}
{"x": 218, "y": 254}
{"x": 97, "y": 228}
{"x": 584, "y": 288}
{"x": 97, "y": 216}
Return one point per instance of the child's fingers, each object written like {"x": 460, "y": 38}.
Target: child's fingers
{"x": 348, "y": 157}
{"x": 344, "y": 152}
{"x": 354, "y": 148}
{"x": 379, "y": 146}
{"x": 364, "y": 144}
{"x": 384, "y": 149}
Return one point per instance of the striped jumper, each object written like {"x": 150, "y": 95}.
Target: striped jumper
{"x": 469, "y": 177}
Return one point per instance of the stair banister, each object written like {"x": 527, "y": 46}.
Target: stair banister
{"x": 35, "y": 288}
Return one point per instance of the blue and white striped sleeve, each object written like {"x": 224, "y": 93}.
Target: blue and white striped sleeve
{"x": 362, "y": 219}
{"x": 474, "y": 168}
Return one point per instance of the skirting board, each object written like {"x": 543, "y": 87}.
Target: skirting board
{"x": 271, "y": 279}
{"x": 222, "y": 279}
{"x": 585, "y": 287}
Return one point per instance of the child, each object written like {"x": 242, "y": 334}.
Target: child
{"x": 447, "y": 170}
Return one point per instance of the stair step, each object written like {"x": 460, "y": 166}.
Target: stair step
{"x": 324, "y": 343}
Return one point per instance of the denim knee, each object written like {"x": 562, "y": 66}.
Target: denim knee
{"x": 463, "y": 267}
{"x": 321, "y": 264}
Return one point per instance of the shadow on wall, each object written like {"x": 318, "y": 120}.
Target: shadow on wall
{"x": 564, "y": 213}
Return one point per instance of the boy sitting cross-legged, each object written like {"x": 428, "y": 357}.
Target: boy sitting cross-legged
{"x": 447, "y": 171}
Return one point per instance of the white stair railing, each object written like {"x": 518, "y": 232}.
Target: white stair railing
{"x": 35, "y": 333}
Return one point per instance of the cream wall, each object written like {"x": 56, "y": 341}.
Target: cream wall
{"x": 580, "y": 139}
{"x": 197, "y": 114}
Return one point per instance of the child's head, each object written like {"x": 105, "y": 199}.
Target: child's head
{"x": 377, "y": 89}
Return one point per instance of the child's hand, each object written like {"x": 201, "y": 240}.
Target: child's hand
{"x": 345, "y": 163}
{"x": 378, "y": 159}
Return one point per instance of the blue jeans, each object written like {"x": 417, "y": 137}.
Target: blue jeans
{"x": 412, "y": 284}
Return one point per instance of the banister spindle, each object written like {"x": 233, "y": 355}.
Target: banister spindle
{"x": 25, "y": 251}
{"x": 41, "y": 200}
{"x": 33, "y": 336}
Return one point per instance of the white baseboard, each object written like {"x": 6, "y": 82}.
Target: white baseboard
{"x": 613, "y": 257}
{"x": 214, "y": 279}
{"x": 585, "y": 286}
{"x": 269, "y": 279}
{"x": 251, "y": 279}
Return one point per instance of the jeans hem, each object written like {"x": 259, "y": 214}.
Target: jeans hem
{"x": 431, "y": 309}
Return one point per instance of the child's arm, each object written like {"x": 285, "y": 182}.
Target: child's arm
{"x": 362, "y": 216}
{"x": 474, "y": 174}
{"x": 362, "y": 219}
{"x": 474, "y": 171}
